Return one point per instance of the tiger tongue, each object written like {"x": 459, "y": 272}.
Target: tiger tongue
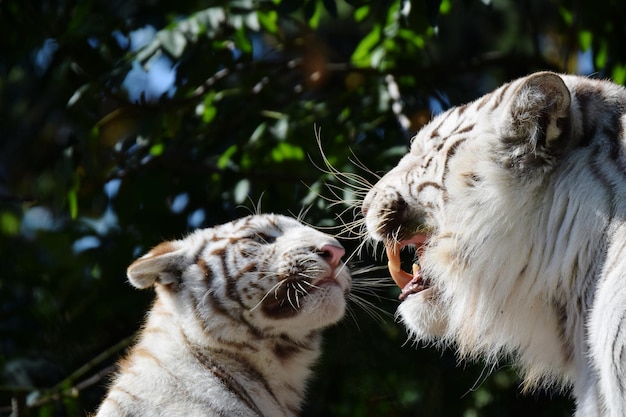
{"x": 416, "y": 284}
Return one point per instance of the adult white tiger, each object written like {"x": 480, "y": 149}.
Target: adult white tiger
{"x": 517, "y": 205}
{"x": 237, "y": 321}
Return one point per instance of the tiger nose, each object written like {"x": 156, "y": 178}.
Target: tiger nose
{"x": 331, "y": 254}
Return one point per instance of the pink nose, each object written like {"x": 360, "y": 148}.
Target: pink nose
{"x": 332, "y": 254}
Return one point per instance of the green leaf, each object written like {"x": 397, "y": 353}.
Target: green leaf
{"x": 566, "y": 15}
{"x": 252, "y": 21}
{"x": 72, "y": 196}
{"x": 225, "y": 159}
{"x": 361, "y": 55}
{"x": 268, "y": 21}
{"x": 209, "y": 110}
{"x": 173, "y": 42}
{"x": 619, "y": 74}
{"x": 241, "y": 191}
{"x": 446, "y": 6}
{"x": 285, "y": 151}
{"x": 258, "y": 133}
{"x": 9, "y": 224}
{"x": 313, "y": 13}
{"x": 601, "y": 57}
{"x": 243, "y": 41}
{"x": 157, "y": 149}
{"x": 361, "y": 13}
{"x": 585, "y": 38}
{"x": 212, "y": 18}
{"x": 280, "y": 128}
{"x": 412, "y": 37}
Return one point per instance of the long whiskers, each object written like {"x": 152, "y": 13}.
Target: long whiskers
{"x": 368, "y": 294}
{"x": 274, "y": 289}
{"x": 349, "y": 192}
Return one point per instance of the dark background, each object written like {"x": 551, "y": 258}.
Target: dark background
{"x": 125, "y": 123}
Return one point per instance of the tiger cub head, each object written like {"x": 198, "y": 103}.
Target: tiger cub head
{"x": 262, "y": 275}
{"x": 482, "y": 196}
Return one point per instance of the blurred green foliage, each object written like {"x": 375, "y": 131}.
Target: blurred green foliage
{"x": 124, "y": 123}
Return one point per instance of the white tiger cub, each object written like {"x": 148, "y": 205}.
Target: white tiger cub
{"x": 236, "y": 324}
{"x": 517, "y": 206}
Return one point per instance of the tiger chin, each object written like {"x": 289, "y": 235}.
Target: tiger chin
{"x": 516, "y": 206}
{"x": 237, "y": 321}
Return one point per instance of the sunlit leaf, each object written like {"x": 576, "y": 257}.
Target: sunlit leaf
{"x": 601, "y": 56}
{"x": 72, "y": 197}
{"x": 412, "y": 37}
{"x": 361, "y": 13}
{"x": 78, "y": 94}
{"x": 268, "y": 21}
{"x": 258, "y": 133}
{"x": 157, "y": 149}
{"x": 313, "y": 12}
{"x": 361, "y": 55}
{"x": 619, "y": 74}
{"x": 225, "y": 159}
{"x": 9, "y": 223}
{"x": 241, "y": 191}
{"x": 252, "y": 21}
{"x": 173, "y": 42}
{"x": 285, "y": 151}
{"x": 280, "y": 128}
{"x": 566, "y": 15}
{"x": 446, "y": 6}
{"x": 585, "y": 38}
{"x": 243, "y": 42}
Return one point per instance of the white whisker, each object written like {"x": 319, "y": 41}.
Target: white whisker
{"x": 274, "y": 288}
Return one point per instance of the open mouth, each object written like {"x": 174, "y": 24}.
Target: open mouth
{"x": 409, "y": 283}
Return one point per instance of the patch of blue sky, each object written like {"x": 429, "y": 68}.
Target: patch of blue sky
{"x": 154, "y": 78}
{"x": 179, "y": 203}
{"x": 43, "y": 56}
{"x": 584, "y": 62}
{"x": 196, "y": 218}
{"x": 435, "y": 106}
{"x": 85, "y": 243}
{"x": 112, "y": 187}
{"x": 151, "y": 81}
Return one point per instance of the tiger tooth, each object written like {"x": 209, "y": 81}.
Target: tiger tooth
{"x": 400, "y": 277}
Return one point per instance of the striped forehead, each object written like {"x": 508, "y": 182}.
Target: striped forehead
{"x": 442, "y": 137}
{"x": 446, "y": 132}
{"x": 274, "y": 225}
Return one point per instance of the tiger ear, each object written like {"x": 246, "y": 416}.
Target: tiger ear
{"x": 161, "y": 265}
{"x": 539, "y": 112}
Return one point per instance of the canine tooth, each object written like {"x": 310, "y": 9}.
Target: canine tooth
{"x": 400, "y": 277}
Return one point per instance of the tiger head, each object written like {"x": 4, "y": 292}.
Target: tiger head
{"x": 261, "y": 275}
{"x": 482, "y": 196}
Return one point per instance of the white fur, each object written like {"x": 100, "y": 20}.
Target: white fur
{"x": 217, "y": 341}
{"x": 530, "y": 261}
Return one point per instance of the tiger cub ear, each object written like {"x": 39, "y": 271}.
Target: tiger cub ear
{"x": 539, "y": 111}
{"x": 161, "y": 265}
